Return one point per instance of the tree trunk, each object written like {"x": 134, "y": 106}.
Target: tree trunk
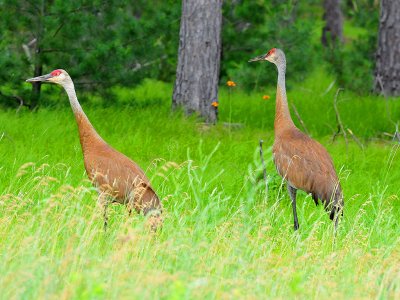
{"x": 38, "y": 70}
{"x": 37, "y": 56}
{"x": 332, "y": 33}
{"x": 197, "y": 74}
{"x": 387, "y": 70}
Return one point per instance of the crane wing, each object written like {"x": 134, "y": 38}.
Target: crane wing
{"x": 305, "y": 164}
{"x": 114, "y": 171}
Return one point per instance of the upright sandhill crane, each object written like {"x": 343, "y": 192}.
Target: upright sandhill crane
{"x": 301, "y": 161}
{"x": 116, "y": 176}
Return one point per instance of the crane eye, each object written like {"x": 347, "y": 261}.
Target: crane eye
{"x": 55, "y": 73}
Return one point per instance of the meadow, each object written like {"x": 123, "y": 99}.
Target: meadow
{"x": 225, "y": 236}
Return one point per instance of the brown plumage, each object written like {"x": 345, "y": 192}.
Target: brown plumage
{"x": 115, "y": 175}
{"x": 301, "y": 161}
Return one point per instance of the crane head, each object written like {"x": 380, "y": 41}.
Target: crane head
{"x": 57, "y": 76}
{"x": 274, "y": 56}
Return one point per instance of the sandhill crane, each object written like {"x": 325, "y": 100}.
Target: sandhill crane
{"x": 301, "y": 161}
{"x": 116, "y": 177}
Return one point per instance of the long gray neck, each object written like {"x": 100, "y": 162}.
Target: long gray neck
{"x": 73, "y": 100}
{"x": 86, "y": 129}
{"x": 281, "y": 80}
{"x": 282, "y": 113}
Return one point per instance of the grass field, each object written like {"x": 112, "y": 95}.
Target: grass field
{"x": 224, "y": 237}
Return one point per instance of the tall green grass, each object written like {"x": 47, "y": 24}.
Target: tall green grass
{"x": 224, "y": 237}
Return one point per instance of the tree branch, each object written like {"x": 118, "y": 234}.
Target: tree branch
{"x": 17, "y": 99}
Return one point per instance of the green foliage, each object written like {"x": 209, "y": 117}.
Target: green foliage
{"x": 100, "y": 43}
{"x": 354, "y": 63}
{"x": 223, "y": 236}
{"x": 114, "y": 42}
{"x": 252, "y": 28}
{"x": 363, "y": 13}
{"x": 107, "y": 43}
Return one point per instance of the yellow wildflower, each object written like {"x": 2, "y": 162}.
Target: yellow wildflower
{"x": 230, "y": 83}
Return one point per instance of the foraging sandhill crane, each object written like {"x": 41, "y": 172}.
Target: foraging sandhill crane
{"x": 116, "y": 177}
{"x": 301, "y": 161}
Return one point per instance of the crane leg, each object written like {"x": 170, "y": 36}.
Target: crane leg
{"x": 103, "y": 202}
{"x": 292, "y": 193}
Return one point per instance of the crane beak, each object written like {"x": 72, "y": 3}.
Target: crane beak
{"x": 42, "y": 78}
{"x": 257, "y": 58}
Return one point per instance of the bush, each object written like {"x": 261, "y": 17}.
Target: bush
{"x": 252, "y": 28}
{"x": 354, "y": 63}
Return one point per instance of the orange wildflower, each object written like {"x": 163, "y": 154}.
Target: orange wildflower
{"x": 266, "y": 97}
{"x": 230, "y": 83}
{"x": 215, "y": 104}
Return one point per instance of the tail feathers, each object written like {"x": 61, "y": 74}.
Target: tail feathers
{"x": 315, "y": 198}
{"x": 333, "y": 202}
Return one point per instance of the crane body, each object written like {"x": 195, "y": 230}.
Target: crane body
{"x": 117, "y": 177}
{"x": 301, "y": 161}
